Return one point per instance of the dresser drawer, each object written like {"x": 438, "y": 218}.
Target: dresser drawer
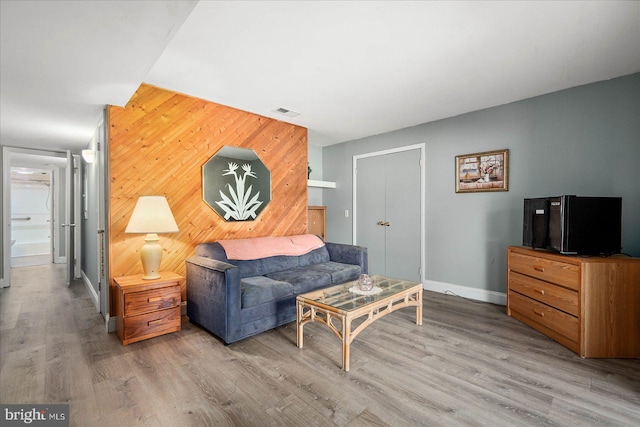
{"x": 149, "y": 325}
{"x": 556, "y": 296}
{"x": 556, "y": 320}
{"x": 155, "y": 299}
{"x": 565, "y": 274}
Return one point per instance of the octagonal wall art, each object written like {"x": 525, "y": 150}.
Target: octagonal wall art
{"x": 236, "y": 184}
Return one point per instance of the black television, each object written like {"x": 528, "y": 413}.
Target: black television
{"x": 573, "y": 225}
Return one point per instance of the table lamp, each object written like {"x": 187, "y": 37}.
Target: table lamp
{"x": 151, "y": 215}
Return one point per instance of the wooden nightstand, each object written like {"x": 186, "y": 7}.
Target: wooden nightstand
{"x": 147, "y": 308}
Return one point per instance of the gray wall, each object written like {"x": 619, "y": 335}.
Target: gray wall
{"x": 584, "y": 141}
{"x": 315, "y": 162}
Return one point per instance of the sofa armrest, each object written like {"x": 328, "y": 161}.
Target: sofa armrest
{"x": 349, "y": 254}
{"x": 213, "y": 296}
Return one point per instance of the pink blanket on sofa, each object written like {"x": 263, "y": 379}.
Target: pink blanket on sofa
{"x": 263, "y": 247}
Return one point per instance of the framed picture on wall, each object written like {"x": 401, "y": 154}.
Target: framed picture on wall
{"x": 487, "y": 171}
{"x": 236, "y": 184}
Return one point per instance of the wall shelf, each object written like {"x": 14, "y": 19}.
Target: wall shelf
{"x": 321, "y": 184}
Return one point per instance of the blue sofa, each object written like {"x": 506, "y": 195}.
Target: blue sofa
{"x": 235, "y": 299}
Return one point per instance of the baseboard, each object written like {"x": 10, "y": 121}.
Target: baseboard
{"x": 91, "y": 290}
{"x": 110, "y": 322}
{"x": 2, "y": 283}
{"x": 476, "y": 294}
{"x": 183, "y": 308}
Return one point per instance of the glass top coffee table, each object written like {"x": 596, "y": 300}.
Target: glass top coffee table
{"x": 337, "y": 307}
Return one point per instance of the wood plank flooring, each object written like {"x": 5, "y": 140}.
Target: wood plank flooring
{"x": 469, "y": 364}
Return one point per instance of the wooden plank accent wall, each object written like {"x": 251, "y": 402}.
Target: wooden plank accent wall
{"x": 157, "y": 145}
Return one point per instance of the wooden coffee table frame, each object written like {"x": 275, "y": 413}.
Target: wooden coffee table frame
{"x": 310, "y": 310}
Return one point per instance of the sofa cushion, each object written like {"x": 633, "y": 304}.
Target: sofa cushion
{"x": 259, "y": 267}
{"x": 303, "y": 279}
{"x": 316, "y": 256}
{"x": 259, "y": 290}
{"x": 339, "y": 272}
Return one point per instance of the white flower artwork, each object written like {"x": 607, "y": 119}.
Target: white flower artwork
{"x": 239, "y": 205}
{"x": 236, "y": 184}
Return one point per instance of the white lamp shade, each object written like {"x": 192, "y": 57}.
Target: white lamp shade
{"x": 152, "y": 215}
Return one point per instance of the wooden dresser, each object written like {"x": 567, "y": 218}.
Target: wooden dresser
{"x": 589, "y": 304}
{"x": 147, "y": 308}
{"x": 317, "y": 221}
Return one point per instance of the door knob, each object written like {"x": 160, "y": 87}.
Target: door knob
{"x": 387, "y": 223}
{"x": 380, "y": 222}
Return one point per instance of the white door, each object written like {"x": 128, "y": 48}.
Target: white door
{"x": 389, "y": 210}
{"x": 69, "y": 221}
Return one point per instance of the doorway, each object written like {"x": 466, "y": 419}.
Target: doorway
{"x": 42, "y": 226}
{"x": 31, "y": 216}
{"x": 389, "y": 205}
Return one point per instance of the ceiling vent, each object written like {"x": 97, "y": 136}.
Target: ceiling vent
{"x": 286, "y": 112}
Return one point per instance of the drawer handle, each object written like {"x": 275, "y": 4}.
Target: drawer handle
{"x": 540, "y": 291}
{"x": 154, "y": 322}
{"x": 538, "y": 268}
{"x": 539, "y": 313}
{"x": 154, "y": 299}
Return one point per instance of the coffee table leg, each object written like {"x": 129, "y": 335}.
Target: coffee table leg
{"x": 346, "y": 343}
{"x": 419, "y": 308}
{"x": 299, "y": 325}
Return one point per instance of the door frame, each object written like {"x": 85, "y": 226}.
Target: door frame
{"x": 422, "y": 148}
{"x": 9, "y": 156}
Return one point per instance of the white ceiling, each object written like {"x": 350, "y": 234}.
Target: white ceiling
{"x": 351, "y": 69}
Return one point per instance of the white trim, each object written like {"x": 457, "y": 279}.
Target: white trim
{"x": 92, "y": 292}
{"x": 476, "y": 294}
{"x": 110, "y": 323}
{"x": 421, "y": 147}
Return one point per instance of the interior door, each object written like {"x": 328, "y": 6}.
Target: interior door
{"x": 69, "y": 222}
{"x": 370, "y": 211}
{"x": 388, "y": 213}
{"x": 402, "y": 215}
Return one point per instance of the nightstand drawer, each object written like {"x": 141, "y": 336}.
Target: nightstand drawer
{"x": 556, "y": 296}
{"x": 556, "y": 320}
{"x": 149, "y": 325}
{"x": 546, "y": 269}
{"x": 155, "y": 299}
